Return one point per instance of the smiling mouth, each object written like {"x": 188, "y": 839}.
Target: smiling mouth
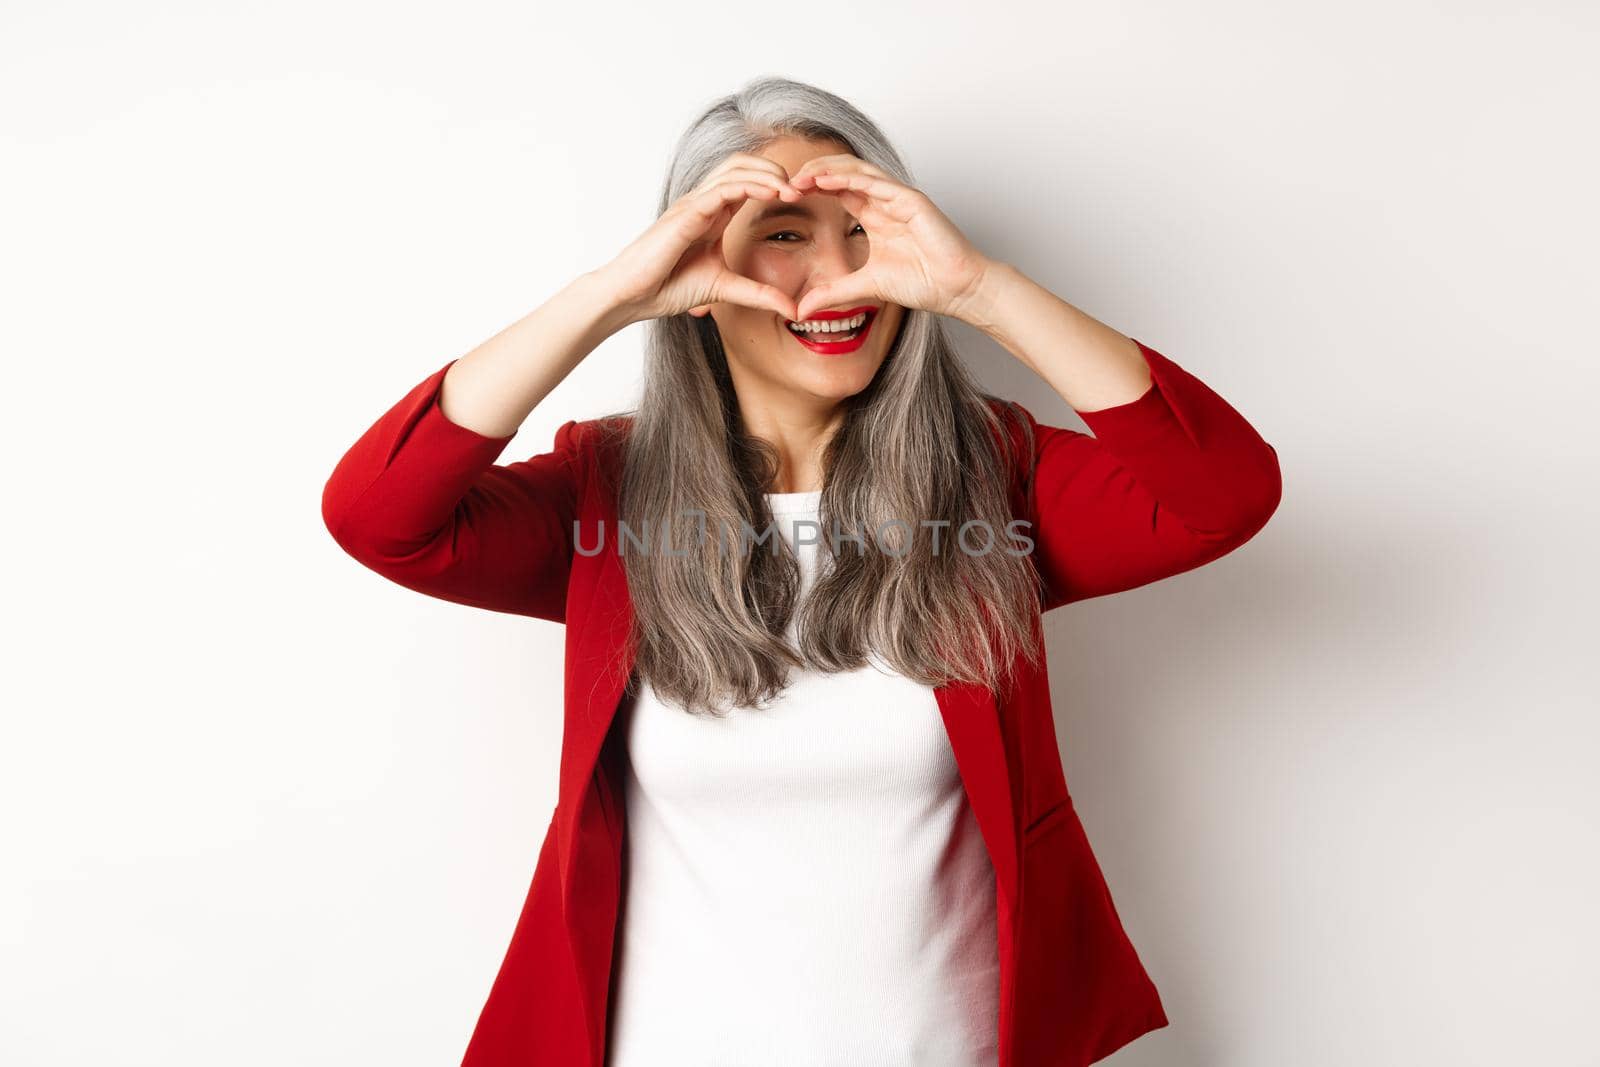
{"x": 861, "y": 319}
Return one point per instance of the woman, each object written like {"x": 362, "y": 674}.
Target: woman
{"x": 811, "y": 809}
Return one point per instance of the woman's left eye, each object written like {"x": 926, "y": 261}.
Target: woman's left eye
{"x": 791, "y": 233}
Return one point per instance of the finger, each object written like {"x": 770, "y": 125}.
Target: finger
{"x": 841, "y": 164}
{"x": 807, "y": 175}
{"x": 746, "y": 162}
{"x": 719, "y": 225}
{"x": 896, "y": 201}
{"x": 855, "y": 203}
{"x": 750, "y": 159}
{"x": 713, "y": 200}
{"x": 858, "y": 285}
{"x": 737, "y": 289}
{"x": 708, "y": 212}
{"x": 778, "y": 181}
{"x": 707, "y": 232}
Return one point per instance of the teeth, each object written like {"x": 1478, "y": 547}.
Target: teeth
{"x": 830, "y": 325}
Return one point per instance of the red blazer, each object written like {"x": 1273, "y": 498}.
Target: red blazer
{"x": 1166, "y": 483}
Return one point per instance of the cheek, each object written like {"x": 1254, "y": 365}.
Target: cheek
{"x": 888, "y": 326}
{"x": 766, "y": 264}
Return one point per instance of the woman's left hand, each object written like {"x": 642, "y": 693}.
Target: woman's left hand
{"x": 918, "y": 258}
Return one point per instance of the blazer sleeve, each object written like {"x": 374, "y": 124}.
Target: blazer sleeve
{"x": 420, "y": 500}
{"x": 1167, "y": 482}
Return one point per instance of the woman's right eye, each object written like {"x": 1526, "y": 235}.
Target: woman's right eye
{"x": 782, "y": 233}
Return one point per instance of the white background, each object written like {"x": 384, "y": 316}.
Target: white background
{"x": 263, "y": 808}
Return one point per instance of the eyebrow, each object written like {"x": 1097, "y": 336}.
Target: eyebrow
{"x": 773, "y": 211}
{"x": 783, "y": 210}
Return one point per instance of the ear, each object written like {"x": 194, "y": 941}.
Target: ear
{"x": 700, "y": 312}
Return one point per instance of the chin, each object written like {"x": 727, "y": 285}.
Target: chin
{"x": 838, "y": 383}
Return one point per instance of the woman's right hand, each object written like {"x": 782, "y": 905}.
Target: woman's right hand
{"x": 676, "y": 265}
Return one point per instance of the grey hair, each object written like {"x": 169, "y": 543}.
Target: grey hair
{"x": 920, "y": 441}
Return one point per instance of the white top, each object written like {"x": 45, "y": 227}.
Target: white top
{"x": 806, "y": 883}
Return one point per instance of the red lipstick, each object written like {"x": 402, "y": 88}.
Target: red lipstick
{"x": 817, "y": 342}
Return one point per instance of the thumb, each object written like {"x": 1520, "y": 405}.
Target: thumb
{"x": 752, "y": 294}
{"x": 854, "y": 286}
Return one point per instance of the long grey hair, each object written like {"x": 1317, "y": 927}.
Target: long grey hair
{"x": 921, "y": 442}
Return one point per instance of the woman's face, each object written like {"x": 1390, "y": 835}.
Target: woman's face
{"x": 796, "y": 247}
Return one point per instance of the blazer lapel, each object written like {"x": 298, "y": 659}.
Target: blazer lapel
{"x": 588, "y": 816}
{"x": 972, "y": 719}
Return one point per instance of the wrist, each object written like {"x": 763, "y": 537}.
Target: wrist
{"x": 609, "y": 309}
{"x": 982, "y": 305}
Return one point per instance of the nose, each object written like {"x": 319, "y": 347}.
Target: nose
{"x": 833, "y": 259}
